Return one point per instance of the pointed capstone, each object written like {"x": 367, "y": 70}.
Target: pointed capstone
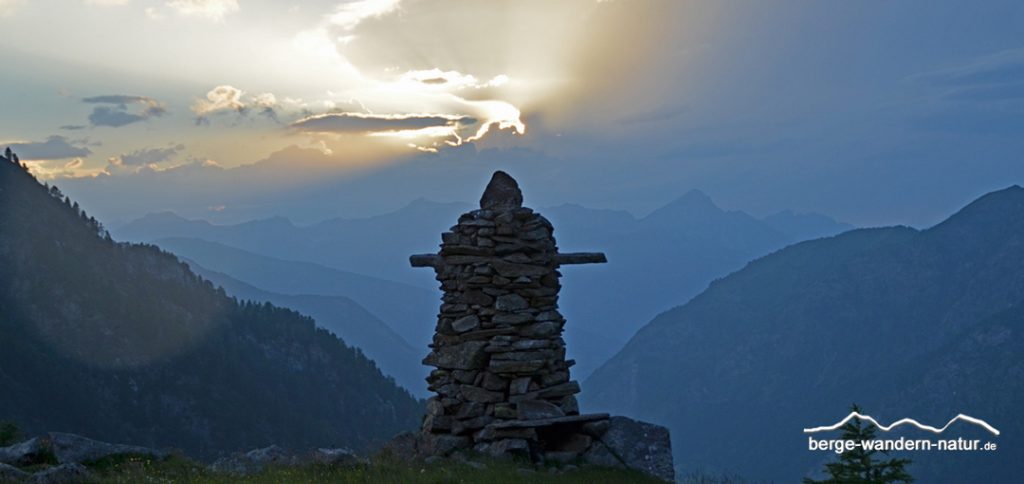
{"x": 502, "y": 193}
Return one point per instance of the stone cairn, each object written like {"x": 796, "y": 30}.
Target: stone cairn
{"x": 502, "y": 381}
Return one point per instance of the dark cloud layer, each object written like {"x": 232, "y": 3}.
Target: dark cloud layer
{"x": 54, "y": 148}
{"x": 123, "y": 109}
{"x": 365, "y": 123}
{"x": 150, "y": 155}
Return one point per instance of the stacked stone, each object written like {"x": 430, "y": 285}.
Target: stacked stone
{"x": 501, "y": 377}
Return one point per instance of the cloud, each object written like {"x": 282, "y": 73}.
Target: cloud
{"x": 227, "y": 98}
{"x": 349, "y": 15}
{"x": 999, "y": 92}
{"x": 54, "y": 148}
{"x": 142, "y": 159}
{"x": 50, "y": 169}
{"x": 73, "y": 127}
{"x": 220, "y": 98}
{"x": 451, "y": 80}
{"x": 119, "y": 113}
{"x": 369, "y": 123}
{"x": 107, "y": 3}
{"x": 994, "y": 77}
{"x": 214, "y": 10}
{"x": 8, "y": 7}
{"x": 148, "y": 156}
{"x": 984, "y": 96}
{"x": 1006, "y": 66}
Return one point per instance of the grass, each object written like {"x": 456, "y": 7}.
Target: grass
{"x": 134, "y": 469}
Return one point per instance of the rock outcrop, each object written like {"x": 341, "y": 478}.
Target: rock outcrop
{"x": 64, "y": 454}
{"x": 254, "y": 461}
{"x": 502, "y": 382}
{"x": 64, "y": 448}
{"x": 9, "y": 473}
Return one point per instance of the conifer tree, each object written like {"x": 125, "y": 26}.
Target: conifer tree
{"x": 861, "y": 465}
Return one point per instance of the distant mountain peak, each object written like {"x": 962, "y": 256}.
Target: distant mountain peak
{"x": 695, "y": 196}
{"x": 693, "y": 202}
{"x": 164, "y": 215}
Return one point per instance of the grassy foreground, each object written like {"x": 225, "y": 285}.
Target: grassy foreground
{"x": 179, "y": 469}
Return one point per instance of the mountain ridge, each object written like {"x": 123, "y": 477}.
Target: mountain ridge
{"x": 841, "y": 319}
{"x": 124, "y": 343}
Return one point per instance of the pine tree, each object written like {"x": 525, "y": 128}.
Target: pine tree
{"x": 860, "y": 465}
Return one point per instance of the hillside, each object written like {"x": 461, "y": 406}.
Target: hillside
{"x": 124, "y": 343}
{"x": 407, "y": 309}
{"x": 345, "y": 318}
{"x": 878, "y": 317}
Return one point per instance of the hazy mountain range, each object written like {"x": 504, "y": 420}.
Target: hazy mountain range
{"x": 912, "y": 323}
{"x": 655, "y": 262}
{"x": 124, "y": 343}
{"x": 343, "y": 317}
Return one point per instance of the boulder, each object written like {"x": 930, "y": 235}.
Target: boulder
{"x": 404, "y": 446}
{"x": 253, "y": 461}
{"x": 335, "y": 457}
{"x": 440, "y": 444}
{"x": 72, "y": 473}
{"x": 71, "y": 448}
{"x": 12, "y": 474}
{"x": 641, "y": 446}
{"x": 33, "y": 451}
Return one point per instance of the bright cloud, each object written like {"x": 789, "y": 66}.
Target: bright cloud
{"x": 8, "y": 7}
{"x": 227, "y": 98}
{"x": 450, "y": 80}
{"x": 349, "y": 15}
{"x": 220, "y": 98}
{"x": 214, "y": 10}
{"x": 107, "y": 3}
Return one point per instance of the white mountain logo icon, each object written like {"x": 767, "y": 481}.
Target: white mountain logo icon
{"x": 885, "y": 428}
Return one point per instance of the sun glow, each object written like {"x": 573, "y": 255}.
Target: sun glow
{"x": 246, "y": 75}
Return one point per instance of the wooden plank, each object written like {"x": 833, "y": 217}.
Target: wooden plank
{"x": 545, "y": 422}
{"x": 581, "y": 258}
{"x": 425, "y": 260}
{"x": 433, "y": 260}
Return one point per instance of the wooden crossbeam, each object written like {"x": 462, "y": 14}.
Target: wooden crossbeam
{"x": 434, "y": 260}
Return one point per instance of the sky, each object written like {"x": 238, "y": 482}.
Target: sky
{"x": 873, "y": 112}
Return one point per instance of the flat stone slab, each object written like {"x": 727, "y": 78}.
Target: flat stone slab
{"x": 545, "y": 422}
